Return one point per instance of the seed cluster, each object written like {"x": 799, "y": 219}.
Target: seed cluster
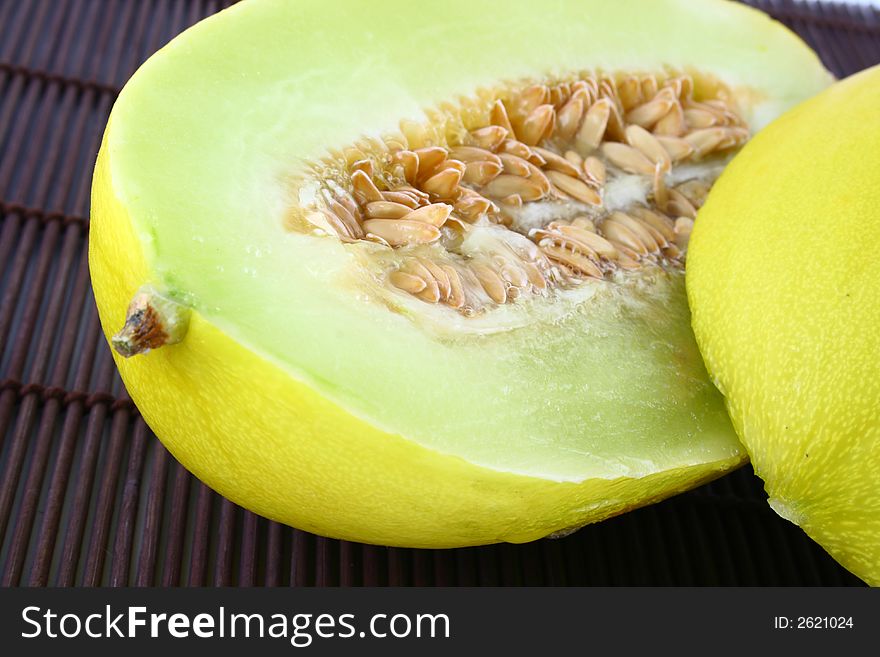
{"x": 561, "y": 143}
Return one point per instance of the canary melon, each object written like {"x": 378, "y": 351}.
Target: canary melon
{"x": 786, "y": 307}
{"x": 413, "y": 275}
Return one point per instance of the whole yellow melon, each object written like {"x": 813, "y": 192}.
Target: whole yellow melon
{"x": 784, "y": 288}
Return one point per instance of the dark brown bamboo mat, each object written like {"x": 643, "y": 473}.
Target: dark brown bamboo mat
{"x": 88, "y": 496}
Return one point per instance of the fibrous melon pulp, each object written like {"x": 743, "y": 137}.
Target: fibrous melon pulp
{"x": 416, "y": 271}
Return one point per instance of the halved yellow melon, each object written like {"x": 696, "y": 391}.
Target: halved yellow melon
{"x": 418, "y": 270}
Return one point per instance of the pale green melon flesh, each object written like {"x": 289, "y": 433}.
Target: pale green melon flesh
{"x": 204, "y": 140}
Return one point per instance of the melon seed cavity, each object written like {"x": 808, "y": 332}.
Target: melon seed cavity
{"x": 550, "y": 186}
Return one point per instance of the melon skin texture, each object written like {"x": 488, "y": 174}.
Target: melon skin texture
{"x": 785, "y": 293}
{"x": 298, "y": 399}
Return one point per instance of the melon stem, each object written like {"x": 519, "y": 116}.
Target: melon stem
{"x": 151, "y": 321}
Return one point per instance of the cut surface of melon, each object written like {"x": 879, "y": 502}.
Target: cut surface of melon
{"x": 302, "y": 392}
